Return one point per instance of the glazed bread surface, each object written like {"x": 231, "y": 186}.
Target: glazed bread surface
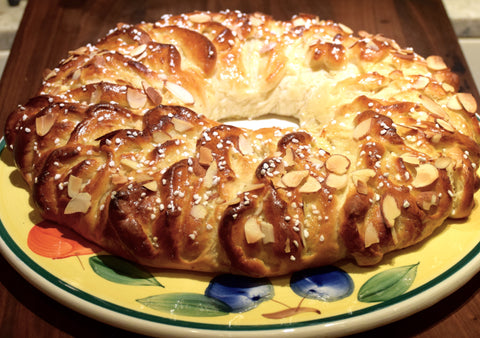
{"x": 128, "y": 143}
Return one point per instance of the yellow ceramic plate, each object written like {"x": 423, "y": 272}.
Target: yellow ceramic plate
{"x": 336, "y": 300}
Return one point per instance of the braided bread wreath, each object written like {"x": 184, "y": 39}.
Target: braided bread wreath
{"x": 123, "y": 144}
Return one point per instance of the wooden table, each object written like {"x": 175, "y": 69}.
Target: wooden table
{"x": 52, "y": 27}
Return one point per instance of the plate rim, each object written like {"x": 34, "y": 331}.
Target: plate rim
{"x": 92, "y": 306}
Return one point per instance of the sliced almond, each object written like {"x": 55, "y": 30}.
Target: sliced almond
{"x": 289, "y": 157}
{"x": 362, "y": 175}
{"x": 200, "y": 18}
{"x": 268, "y": 232}
{"x": 445, "y": 125}
{"x": 179, "y": 92}
{"x": 152, "y": 185}
{"x": 337, "y": 164}
{"x": 80, "y": 203}
{"x": 410, "y": 158}
{"x": 160, "y": 137}
{"x": 371, "y": 235}
{"x": 119, "y": 179}
{"x": 138, "y": 50}
{"x": 253, "y": 233}
{"x": 181, "y": 125}
{"x": 443, "y": 162}
{"x": 448, "y": 88}
{"x": 336, "y": 181}
{"x": 287, "y": 248}
{"x": 135, "y": 98}
{"x": 44, "y": 123}
{"x": 426, "y": 175}
{"x": 129, "y": 163}
{"x": 76, "y": 74}
{"x": 311, "y": 185}
{"x": 244, "y": 145}
{"x": 79, "y": 51}
{"x": 362, "y": 129}
{"x": 468, "y": 102}
{"x": 208, "y": 179}
{"x": 421, "y": 82}
{"x": 153, "y": 94}
{"x": 205, "y": 156}
{"x": 362, "y": 187}
{"x": 433, "y": 107}
{"x": 254, "y": 186}
{"x": 48, "y": 74}
{"x": 74, "y": 185}
{"x": 453, "y": 103}
{"x": 435, "y": 62}
{"x": 390, "y": 210}
{"x": 198, "y": 211}
{"x": 292, "y": 179}
{"x": 345, "y": 28}
{"x": 96, "y": 96}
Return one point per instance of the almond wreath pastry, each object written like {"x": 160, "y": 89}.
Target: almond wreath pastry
{"x": 124, "y": 144}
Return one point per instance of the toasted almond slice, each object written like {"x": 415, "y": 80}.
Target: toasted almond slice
{"x": 445, "y": 125}
{"x": 337, "y": 164}
{"x": 362, "y": 129}
{"x": 48, "y": 74}
{"x": 198, "y": 211}
{"x": 96, "y": 96}
{"x": 80, "y": 203}
{"x": 142, "y": 178}
{"x": 79, "y": 51}
{"x": 205, "y": 156}
{"x": 287, "y": 246}
{"x": 244, "y": 145}
{"x": 253, "y": 233}
{"x": 160, "y": 137}
{"x": 345, "y": 28}
{"x": 181, "y": 125}
{"x": 435, "y": 62}
{"x": 44, "y": 123}
{"x": 292, "y": 179}
{"x": 426, "y": 175}
{"x": 129, "y": 163}
{"x": 208, "y": 179}
{"x": 443, "y": 162}
{"x": 410, "y": 159}
{"x": 310, "y": 185}
{"x": 267, "y": 230}
{"x": 154, "y": 96}
{"x": 179, "y": 92}
{"x": 74, "y": 185}
{"x": 390, "y": 210}
{"x": 421, "y": 82}
{"x": 468, "y": 102}
{"x": 299, "y": 22}
{"x": 289, "y": 157}
{"x": 336, "y": 181}
{"x": 448, "y": 88}
{"x": 362, "y": 187}
{"x": 200, "y": 18}
{"x": 76, "y": 74}
{"x": 453, "y": 103}
{"x": 138, "y": 50}
{"x": 371, "y": 235}
{"x": 152, "y": 185}
{"x": 254, "y": 186}
{"x": 135, "y": 98}
{"x": 119, "y": 179}
{"x": 433, "y": 107}
{"x": 362, "y": 175}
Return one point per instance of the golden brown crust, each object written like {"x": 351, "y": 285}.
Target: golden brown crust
{"x": 122, "y": 144}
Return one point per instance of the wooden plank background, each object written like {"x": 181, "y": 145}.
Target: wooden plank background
{"x": 52, "y": 27}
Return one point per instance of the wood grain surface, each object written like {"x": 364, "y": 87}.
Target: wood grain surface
{"x": 52, "y": 27}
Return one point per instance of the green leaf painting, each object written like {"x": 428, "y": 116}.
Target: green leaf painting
{"x": 388, "y": 284}
{"x": 186, "y": 304}
{"x": 119, "y": 270}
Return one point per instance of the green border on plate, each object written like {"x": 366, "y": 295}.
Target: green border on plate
{"x": 94, "y": 300}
